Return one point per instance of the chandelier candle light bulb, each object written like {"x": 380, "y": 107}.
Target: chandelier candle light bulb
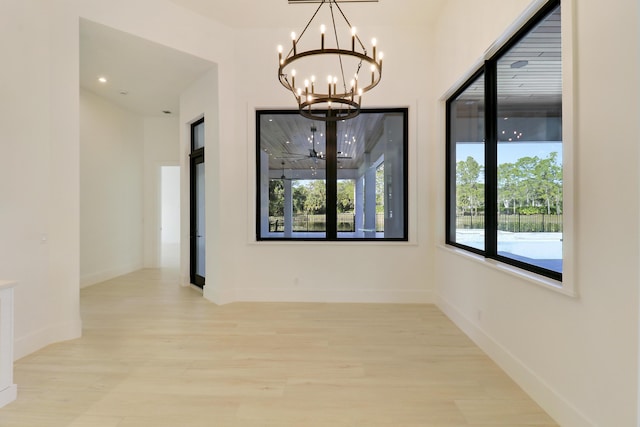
{"x": 353, "y": 38}
{"x": 315, "y": 104}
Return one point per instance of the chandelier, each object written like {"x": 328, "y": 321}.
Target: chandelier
{"x": 306, "y": 64}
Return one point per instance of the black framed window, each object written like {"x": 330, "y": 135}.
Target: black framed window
{"x": 333, "y": 180}
{"x": 504, "y": 152}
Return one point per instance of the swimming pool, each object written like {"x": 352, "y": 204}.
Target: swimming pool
{"x": 539, "y": 249}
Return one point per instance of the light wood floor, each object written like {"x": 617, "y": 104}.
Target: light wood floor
{"x": 157, "y": 355}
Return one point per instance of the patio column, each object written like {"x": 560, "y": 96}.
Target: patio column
{"x": 288, "y": 208}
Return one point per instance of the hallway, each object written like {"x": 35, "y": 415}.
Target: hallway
{"x": 157, "y": 355}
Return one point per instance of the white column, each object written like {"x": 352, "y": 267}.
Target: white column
{"x": 288, "y": 208}
{"x": 8, "y": 390}
{"x": 359, "y": 207}
{"x": 264, "y": 193}
{"x": 393, "y": 173}
{"x": 370, "y": 202}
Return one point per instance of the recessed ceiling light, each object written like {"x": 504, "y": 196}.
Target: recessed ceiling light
{"x": 102, "y": 79}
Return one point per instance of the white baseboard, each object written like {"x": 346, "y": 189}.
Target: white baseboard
{"x": 334, "y": 296}
{"x": 559, "y": 408}
{"x": 28, "y": 344}
{"x": 8, "y": 395}
{"x": 101, "y": 276}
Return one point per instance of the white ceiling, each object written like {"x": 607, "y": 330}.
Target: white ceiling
{"x": 151, "y": 75}
{"x": 147, "y": 78}
{"x": 279, "y": 13}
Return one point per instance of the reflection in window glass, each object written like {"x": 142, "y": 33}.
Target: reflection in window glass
{"x": 292, "y": 177}
{"x": 366, "y": 156}
{"x": 346, "y": 208}
{"x": 370, "y": 151}
{"x": 467, "y": 131}
{"x": 197, "y": 140}
{"x": 529, "y": 126}
{"x": 504, "y": 152}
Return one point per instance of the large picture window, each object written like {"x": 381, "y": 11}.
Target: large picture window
{"x": 333, "y": 180}
{"x": 504, "y": 152}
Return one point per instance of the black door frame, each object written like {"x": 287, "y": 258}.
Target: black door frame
{"x": 195, "y": 158}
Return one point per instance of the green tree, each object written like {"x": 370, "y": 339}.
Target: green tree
{"x": 531, "y": 185}
{"x": 316, "y": 201}
{"x": 380, "y": 189}
{"x": 508, "y": 186}
{"x": 527, "y": 181}
{"x": 469, "y": 191}
{"x": 299, "y": 196}
{"x": 548, "y": 175}
{"x": 346, "y": 195}
{"x": 276, "y": 197}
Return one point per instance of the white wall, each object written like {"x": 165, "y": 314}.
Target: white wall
{"x": 577, "y": 356}
{"x": 111, "y": 190}
{"x": 161, "y": 148}
{"x": 199, "y": 100}
{"x": 39, "y": 198}
{"x": 170, "y": 224}
{"x": 347, "y": 271}
{"x": 40, "y": 148}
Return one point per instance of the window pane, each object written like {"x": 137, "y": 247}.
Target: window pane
{"x": 198, "y": 136}
{"x": 292, "y": 171}
{"x": 371, "y": 163}
{"x": 200, "y": 220}
{"x": 366, "y": 158}
{"x": 467, "y": 131}
{"x": 529, "y": 124}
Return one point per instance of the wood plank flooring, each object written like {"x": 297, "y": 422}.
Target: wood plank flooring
{"x": 154, "y": 354}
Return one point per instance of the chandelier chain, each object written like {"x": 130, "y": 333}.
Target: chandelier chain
{"x": 348, "y": 23}
{"x": 334, "y": 104}
{"x": 335, "y": 32}
{"x": 309, "y": 23}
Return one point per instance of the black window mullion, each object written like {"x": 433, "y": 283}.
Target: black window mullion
{"x": 332, "y": 180}
{"x": 450, "y": 159}
{"x": 498, "y": 100}
{"x": 330, "y": 161}
{"x": 491, "y": 159}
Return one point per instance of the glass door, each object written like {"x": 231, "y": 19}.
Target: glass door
{"x": 198, "y": 217}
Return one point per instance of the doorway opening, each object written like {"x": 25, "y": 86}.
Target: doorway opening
{"x": 170, "y": 217}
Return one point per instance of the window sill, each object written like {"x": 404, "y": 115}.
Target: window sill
{"x": 336, "y": 243}
{"x": 536, "y": 279}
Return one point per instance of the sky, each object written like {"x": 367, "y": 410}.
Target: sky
{"x": 510, "y": 152}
